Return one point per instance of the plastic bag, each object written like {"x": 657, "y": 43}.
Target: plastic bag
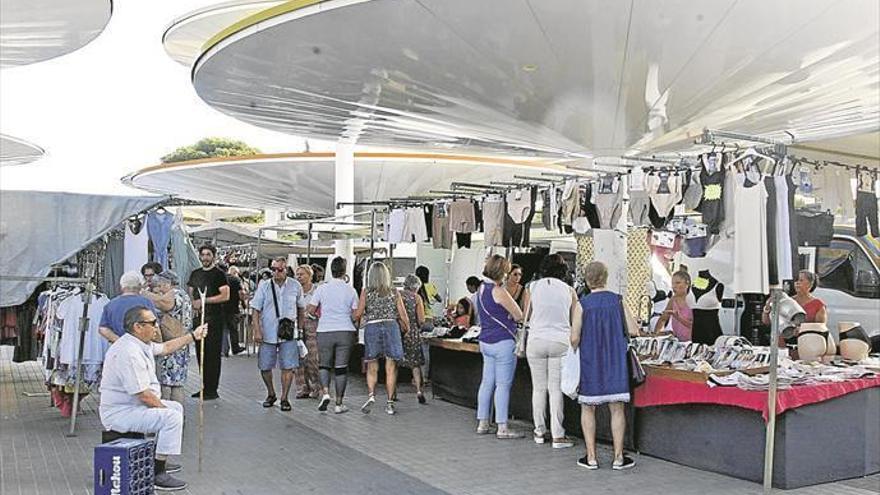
{"x": 571, "y": 373}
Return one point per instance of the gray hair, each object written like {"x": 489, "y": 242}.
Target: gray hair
{"x": 412, "y": 282}
{"x": 131, "y": 280}
{"x": 596, "y": 275}
{"x": 379, "y": 278}
{"x": 167, "y": 276}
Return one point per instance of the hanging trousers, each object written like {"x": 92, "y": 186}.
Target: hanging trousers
{"x": 866, "y": 214}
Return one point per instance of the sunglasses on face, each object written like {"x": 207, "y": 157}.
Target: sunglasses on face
{"x": 277, "y": 269}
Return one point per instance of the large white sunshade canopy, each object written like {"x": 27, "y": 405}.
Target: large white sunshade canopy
{"x": 562, "y": 76}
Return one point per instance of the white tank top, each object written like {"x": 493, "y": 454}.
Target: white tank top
{"x": 551, "y": 310}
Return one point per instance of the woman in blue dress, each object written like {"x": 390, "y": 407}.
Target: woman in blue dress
{"x": 602, "y": 342}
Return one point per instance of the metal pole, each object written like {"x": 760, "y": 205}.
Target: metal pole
{"x": 771, "y": 395}
{"x": 309, "y": 245}
{"x": 372, "y": 235}
{"x": 83, "y": 328}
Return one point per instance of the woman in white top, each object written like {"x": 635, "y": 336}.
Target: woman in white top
{"x": 553, "y": 307}
{"x": 337, "y": 302}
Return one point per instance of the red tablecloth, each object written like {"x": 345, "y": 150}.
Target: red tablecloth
{"x": 663, "y": 391}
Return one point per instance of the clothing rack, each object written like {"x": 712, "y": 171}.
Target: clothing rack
{"x": 712, "y": 136}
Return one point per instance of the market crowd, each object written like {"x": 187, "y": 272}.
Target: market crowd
{"x": 307, "y": 328}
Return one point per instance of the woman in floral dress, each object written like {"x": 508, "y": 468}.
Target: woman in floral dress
{"x": 413, "y": 357}
{"x": 173, "y": 368}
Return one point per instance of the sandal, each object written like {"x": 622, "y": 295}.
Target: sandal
{"x": 285, "y": 405}
{"x": 303, "y": 395}
{"x": 270, "y": 401}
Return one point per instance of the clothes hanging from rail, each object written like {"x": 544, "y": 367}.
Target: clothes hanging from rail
{"x": 608, "y": 199}
{"x": 693, "y": 194}
{"x": 462, "y": 217}
{"x": 395, "y": 226}
{"x": 713, "y": 180}
{"x": 866, "y": 203}
{"x": 568, "y": 208}
{"x": 159, "y": 229}
{"x": 494, "y": 211}
{"x": 833, "y": 187}
{"x": 114, "y": 264}
{"x": 550, "y": 207}
{"x": 639, "y": 201}
{"x": 704, "y": 298}
{"x": 750, "y": 267}
{"x": 415, "y": 229}
{"x": 441, "y": 234}
{"x": 518, "y": 220}
{"x": 136, "y": 243}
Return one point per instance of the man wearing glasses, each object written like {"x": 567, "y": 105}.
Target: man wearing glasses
{"x": 277, "y": 298}
{"x": 130, "y": 390}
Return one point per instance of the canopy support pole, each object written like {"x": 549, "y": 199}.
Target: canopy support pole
{"x": 769, "y": 441}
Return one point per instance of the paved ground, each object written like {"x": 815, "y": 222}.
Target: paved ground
{"x": 248, "y": 450}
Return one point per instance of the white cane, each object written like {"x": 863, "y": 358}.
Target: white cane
{"x": 202, "y": 295}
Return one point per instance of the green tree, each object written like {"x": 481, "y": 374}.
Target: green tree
{"x": 210, "y": 148}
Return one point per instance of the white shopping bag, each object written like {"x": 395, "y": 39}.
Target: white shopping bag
{"x": 571, "y": 373}
{"x": 303, "y": 350}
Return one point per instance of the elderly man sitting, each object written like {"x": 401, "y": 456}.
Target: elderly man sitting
{"x": 130, "y": 390}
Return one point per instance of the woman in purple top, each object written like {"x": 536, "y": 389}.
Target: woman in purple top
{"x": 499, "y": 315}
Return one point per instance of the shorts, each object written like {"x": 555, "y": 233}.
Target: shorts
{"x": 334, "y": 349}
{"x": 382, "y": 338}
{"x": 284, "y": 355}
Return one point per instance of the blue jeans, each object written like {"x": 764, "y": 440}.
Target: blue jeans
{"x": 499, "y": 365}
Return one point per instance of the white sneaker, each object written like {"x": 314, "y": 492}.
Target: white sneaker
{"x": 539, "y": 438}
{"x": 562, "y": 443}
{"x": 325, "y": 401}
{"x": 368, "y": 405}
{"x": 340, "y": 408}
{"x": 389, "y": 408}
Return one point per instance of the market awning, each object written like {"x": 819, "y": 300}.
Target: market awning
{"x": 36, "y": 30}
{"x": 15, "y": 151}
{"x": 222, "y": 233}
{"x": 567, "y": 76}
{"x": 304, "y": 182}
{"x": 39, "y": 229}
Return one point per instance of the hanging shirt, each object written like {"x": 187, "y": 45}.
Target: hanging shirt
{"x": 136, "y": 239}
{"x": 94, "y": 345}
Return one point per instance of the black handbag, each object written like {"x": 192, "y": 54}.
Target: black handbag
{"x": 286, "y": 326}
{"x": 637, "y": 373}
{"x": 814, "y": 228}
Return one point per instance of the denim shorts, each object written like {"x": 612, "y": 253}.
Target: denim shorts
{"x": 284, "y": 355}
{"x": 382, "y": 338}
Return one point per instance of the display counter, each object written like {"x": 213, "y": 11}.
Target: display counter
{"x": 824, "y": 432}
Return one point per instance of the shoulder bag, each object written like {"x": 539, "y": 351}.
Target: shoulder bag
{"x": 637, "y": 374}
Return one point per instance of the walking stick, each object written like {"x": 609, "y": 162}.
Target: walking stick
{"x": 202, "y": 294}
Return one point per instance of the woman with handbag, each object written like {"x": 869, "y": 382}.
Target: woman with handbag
{"x": 499, "y": 315}
{"x": 384, "y": 315}
{"x": 554, "y": 306}
{"x": 175, "y": 308}
{"x": 602, "y": 342}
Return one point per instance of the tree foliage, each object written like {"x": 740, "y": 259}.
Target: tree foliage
{"x": 211, "y": 147}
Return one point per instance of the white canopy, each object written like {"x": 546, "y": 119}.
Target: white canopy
{"x": 39, "y": 229}
{"x": 588, "y": 77}
{"x": 15, "y": 151}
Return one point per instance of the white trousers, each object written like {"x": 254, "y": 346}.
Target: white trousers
{"x": 166, "y": 423}
{"x": 545, "y": 363}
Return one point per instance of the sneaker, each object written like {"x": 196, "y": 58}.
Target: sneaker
{"x": 509, "y": 435}
{"x": 582, "y": 462}
{"x": 340, "y": 408}
{"x": 325, "y": 401}
{"x": 389, "y": 408}
{"x": 483, "y": 429}
{"x": 421, "y": 398}
{"x": 172, "y": 468}
{"x": 562, "y": 443}
{"x": 625, "y": 463}
{"x": 539, "y": 438}
{"x": 238, "y": 350}
{"x": 368, "y": 405}
{"x": 164, "y": 482}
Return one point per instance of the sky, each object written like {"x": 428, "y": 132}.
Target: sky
{"x": 114, "y": 106}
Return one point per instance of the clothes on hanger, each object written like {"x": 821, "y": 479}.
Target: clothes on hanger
{"x": 608, "y": 201}
{"x": 568, "y": 208}
{"x": 587, "y": 208}
{"x": 833, "y": 187}
{"x": 441, "y": 234}
{"x": 712, "y": 203}
{"x": 159, "y": 229}
{"x": 664, "y": 188}
{"x": 462, "y": 217}
{"x": 784, "y": 242}
{"x": 136, "y": 240}
{"x": 694, "y": 192}
{"x": 395, "y": 226}
{"x": 750, "y": 267}
{"x": 550, "y": 210}
{"x": 494, "y": 211}
{"x": 519, "y": 215}
{"x": 415, "y": 228}
{"x": 866, "y": 203}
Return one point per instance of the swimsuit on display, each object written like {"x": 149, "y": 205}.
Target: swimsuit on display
{"x": 665, "y": 191}
{"x": 704, "y": 299}
{"x": 609, "y": 202}
{"x": 518, "y": 220}
{"x": 712, "y": 203}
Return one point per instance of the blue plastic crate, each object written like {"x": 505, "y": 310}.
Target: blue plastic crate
{"x": 124, "y": 467}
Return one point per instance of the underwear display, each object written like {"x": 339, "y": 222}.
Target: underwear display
{"x": 608, "y": 204}
{"x": 415, "y": 227}
{"x": 494, "y": 211}
{"x": 462, "y": 217}
{"x": 664, "y": 189}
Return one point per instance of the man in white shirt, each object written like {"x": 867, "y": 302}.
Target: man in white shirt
{"x": 130, "y": 390}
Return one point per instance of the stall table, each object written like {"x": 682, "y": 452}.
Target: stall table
{"x": 824, "y": 433}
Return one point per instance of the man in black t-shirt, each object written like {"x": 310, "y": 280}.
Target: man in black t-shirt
{"x": 211, "y": 279}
